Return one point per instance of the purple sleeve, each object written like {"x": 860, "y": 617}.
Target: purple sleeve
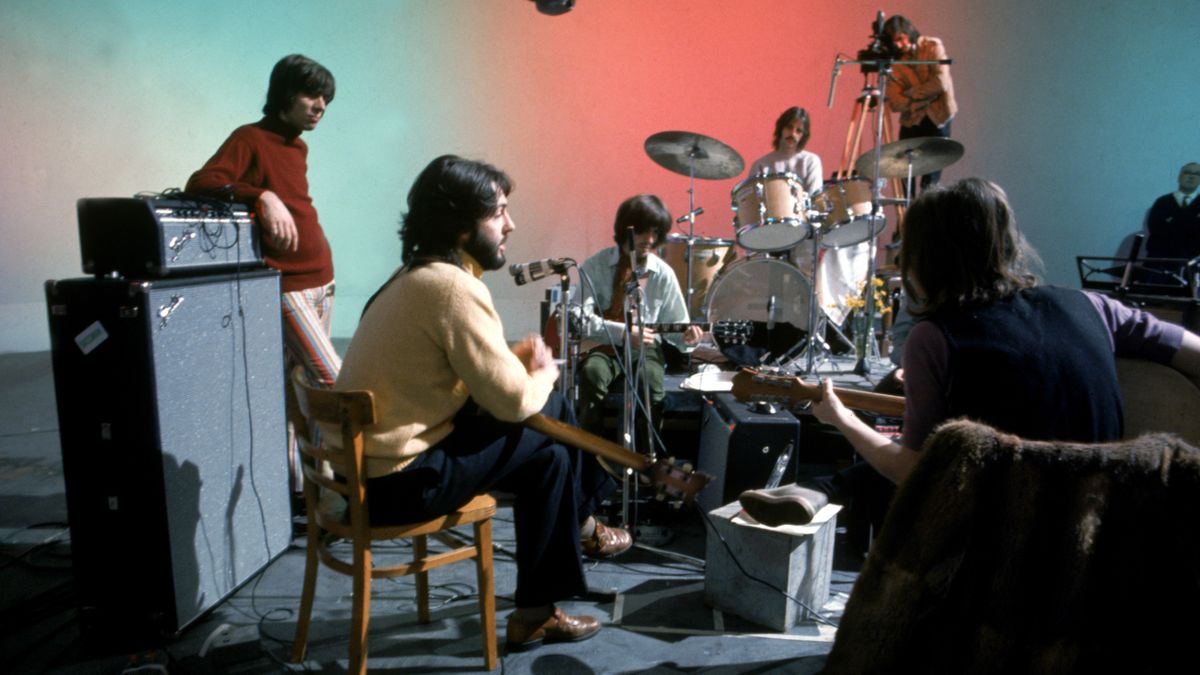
{"x": 926, "y": 364}
{"x": 1135, "y": 332}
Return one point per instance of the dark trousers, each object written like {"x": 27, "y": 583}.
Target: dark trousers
{"x": 555, "y": 487}
{"x": 865, "y": 494}
{"x": 926, "y": 127}
{"x": 597, "y": 374}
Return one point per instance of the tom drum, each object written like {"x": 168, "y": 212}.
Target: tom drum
{"x": 771, "y": 212}
{"x": 847, "y": 207}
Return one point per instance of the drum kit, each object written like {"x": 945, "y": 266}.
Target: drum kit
{"x": 772, "y": 216}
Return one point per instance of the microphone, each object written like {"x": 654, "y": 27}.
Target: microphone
{"x": 879, "y": 25}
{"x": 524, "y": 273}
{"x": 690, "y": 214}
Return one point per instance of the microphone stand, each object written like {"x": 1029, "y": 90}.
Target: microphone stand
{"x": 634, "y": 306}
{"x": 569, "y": 341}
{"x": 882, "y": 73}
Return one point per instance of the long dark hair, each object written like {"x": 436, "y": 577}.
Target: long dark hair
{"x": 448, "y": 199}
{"x": 644, "y": 213}
{"x": 296, "y": 74}
{"x": 790, "y": 115}
{"x": 899, "y": 24}
{"x": 961, "y": 247}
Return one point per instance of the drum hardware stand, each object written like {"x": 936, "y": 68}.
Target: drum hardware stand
{"x": 818, "y": 321}
{"x": 693, "y": 154}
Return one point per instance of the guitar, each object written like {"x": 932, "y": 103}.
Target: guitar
{"x": 751, "y": 385}
{"x": 729, "y": 332}
{"x": 677, "y": 482}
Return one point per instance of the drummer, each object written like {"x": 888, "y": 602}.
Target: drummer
{"x": 841, "y": 269}
{"x": 789, "y": 155}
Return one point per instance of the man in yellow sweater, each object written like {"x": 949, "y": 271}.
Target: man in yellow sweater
{"x": 450, "y": 393}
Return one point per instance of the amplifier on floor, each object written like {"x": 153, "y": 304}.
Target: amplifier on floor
{"x": 148, "y": 238}
{"x": 171, "y": 414}
{"x": 741, "y": 447}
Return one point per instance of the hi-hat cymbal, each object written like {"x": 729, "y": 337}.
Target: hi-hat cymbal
{"x": 690, "y": 154}
{"x": 926, "y": 155}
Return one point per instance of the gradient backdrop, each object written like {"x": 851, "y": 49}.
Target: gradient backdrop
{"x": 1083, "y": 109}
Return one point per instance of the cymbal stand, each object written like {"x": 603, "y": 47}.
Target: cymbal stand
{"x": 696, "y": 152}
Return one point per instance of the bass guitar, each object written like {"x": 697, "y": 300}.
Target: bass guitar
{"x": 672, "y": 481}
{"x": 751, "y": 385}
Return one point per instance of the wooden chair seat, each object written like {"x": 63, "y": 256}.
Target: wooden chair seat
{"x": 351, "y": 411}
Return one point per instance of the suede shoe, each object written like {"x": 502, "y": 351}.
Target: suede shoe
{"x": 784, "y": 505}
{"x": 559, "y": 627}
{"x": 606, "y": 542}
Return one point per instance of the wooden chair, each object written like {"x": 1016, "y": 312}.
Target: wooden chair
{"x": 351, "y": 411}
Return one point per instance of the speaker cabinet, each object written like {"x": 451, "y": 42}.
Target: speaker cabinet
{"x": 171, "y": 415}
{"x": 740, "y": 447}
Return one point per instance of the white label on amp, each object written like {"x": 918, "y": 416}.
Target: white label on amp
{"x": 91, "y": 337}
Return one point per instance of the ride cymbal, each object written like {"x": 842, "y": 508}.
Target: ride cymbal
{"x": 926, "y": 155}
{"x": 692, "y": 154}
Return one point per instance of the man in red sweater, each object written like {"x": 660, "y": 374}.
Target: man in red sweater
{"x": 265, "y": 166}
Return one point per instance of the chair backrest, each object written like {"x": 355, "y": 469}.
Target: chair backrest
{"x": 348, "y": 412}
{"x": 1159, "y": 398}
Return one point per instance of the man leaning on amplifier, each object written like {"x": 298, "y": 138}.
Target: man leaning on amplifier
{"x": 265, "y": 166}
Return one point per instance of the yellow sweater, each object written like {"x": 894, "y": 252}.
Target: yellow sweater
{"x": 430, "y": 340}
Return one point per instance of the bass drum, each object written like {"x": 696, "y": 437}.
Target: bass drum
{"x": 771, "y": 294}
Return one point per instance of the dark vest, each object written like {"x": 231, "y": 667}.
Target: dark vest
{"x": 1038, "y": 364}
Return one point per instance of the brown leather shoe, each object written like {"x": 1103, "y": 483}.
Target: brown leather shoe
{"x": 784, "y": 505}
{"x": 559, "y": 627}
{"x": 606, "y": 542}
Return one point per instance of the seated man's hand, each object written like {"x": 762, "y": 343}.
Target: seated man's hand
{"x": 692, "y": 335}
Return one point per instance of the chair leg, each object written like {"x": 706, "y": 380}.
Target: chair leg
{"x": 487, "y": 591}
{"x": 420, "y": 551}
{"x": 360, "y": 614}
{"x": 311, "y": 565}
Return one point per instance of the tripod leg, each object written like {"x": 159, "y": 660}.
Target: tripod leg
{"x": 852, "y": 134}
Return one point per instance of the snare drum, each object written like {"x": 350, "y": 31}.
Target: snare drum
{"x": 769, "y": 292}
{"x": 709, "y": 257}
{"x": 771, "y": 212}
{"x": 847, "y": 207}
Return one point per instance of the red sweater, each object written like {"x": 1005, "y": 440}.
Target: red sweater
{"x": 269, "y": 155}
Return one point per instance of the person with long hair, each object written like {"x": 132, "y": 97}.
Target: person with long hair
{"x": 992, "y": 344}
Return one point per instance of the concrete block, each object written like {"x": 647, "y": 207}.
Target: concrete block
{"x": 796, "y": 558}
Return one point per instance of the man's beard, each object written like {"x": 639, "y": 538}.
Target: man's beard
{"x": 486, "y": 252}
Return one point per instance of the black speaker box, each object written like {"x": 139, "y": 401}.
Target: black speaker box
{"x": 740, "y": 447}
{"x": 171, "y": 415}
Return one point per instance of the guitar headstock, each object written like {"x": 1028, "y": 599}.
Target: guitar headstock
{"x": 732, "y": 332}
{"x": 752, "y": 385}
{"x": 676, "y": 481}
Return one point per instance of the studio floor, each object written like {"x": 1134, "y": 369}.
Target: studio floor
{"x": 650, "y": 600}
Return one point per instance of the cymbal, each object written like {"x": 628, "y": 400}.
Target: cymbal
{"x": 926, "y": 154}
{"x": 706, "y": 157}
